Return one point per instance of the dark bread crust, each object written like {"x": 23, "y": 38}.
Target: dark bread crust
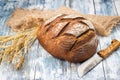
{"x": 68, "y": 37}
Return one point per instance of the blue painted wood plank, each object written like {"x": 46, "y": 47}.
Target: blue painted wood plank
{"x": 105, "y": 7}
{"x": 111, "y": 64}
{"x": 87, "y": 7}
{"x": 39, "y": 64}
{"x": 117, "y": 6}
{"x": 83, "y": 6}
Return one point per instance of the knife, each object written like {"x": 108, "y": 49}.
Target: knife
{"x": 86, "y": 66}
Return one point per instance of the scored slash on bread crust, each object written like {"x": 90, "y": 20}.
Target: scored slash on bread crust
{"x": 68, "y": 37}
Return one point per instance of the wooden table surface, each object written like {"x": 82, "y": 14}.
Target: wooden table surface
{"x": 39, "y": 65}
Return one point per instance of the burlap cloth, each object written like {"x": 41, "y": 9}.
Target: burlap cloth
{"x": 103, "y": 24}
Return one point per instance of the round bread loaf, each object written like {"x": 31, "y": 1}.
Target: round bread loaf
{"x": 68, "y": 37}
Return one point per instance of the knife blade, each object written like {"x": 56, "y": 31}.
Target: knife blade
{"x": 97, "y": 58}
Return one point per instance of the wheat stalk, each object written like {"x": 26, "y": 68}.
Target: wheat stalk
{"x": 20, "y": 43}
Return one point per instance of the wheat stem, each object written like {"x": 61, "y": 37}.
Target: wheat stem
{"x": 20, "y": 43}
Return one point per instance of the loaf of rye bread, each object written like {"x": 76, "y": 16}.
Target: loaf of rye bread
{"x": 68, "y": 37}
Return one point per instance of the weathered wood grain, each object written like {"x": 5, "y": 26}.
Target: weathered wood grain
{"x": 111, "y": 64}
{"x": 89, "y": 9}
{"x": 83, "y": 6}
{"x": 40, "y": 65}
{"x": 117, "y": 6}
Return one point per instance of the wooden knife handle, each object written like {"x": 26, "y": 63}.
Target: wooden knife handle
{"x": 108, "y": 51}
